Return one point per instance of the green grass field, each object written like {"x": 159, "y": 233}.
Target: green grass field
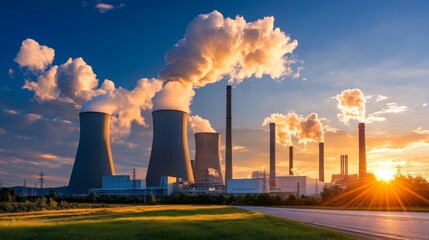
{"x": 156, "y": 222}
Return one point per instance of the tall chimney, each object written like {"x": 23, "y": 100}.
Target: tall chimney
{"x": 170, "y": 153}
{"x": 228, "y": 147}
{"x": 362, "y": 151}
{"x": 342, "y": 164}
{"x": 346, "y": 165}
{"x": 94, "y": 155}
{"x": 291, "y": 160}
{"x": 322, "y": 162}
{"x": 207, "y": 158}
{"x": 272, "y": 155}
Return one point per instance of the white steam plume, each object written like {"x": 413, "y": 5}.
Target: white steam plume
{"x": 34, "y": 56}
{"x": 305, "y": 129}
{"x": 214, "y": 47}
{"x": 199, "y": 124}
{"x": 76, "y": 83}
{"x": 126, "y": 105}
{"x": 351, "y": 103}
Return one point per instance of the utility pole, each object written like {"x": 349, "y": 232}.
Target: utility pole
{"x": 42, "y": 180}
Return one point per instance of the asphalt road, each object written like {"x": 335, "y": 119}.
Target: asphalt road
{"x": 369, "y": 224}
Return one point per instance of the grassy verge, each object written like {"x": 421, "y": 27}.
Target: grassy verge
{"x": 156, "y": 222}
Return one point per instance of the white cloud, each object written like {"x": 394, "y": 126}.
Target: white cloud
{"x": 391, "y": 108}
{"x": 11, "y": 73}
{"x": 31, "y": 117}
{"x": 34, "y": 56}
{"x": 381, "y": 98}
{"x": 10, "y": 111}
{"x": 104, "y": 7}
{"x": 46, "y": 88}
{"x": 420, "y": 130}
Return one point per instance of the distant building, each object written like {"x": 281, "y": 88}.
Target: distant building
{"x": 122, "y": 185}
{"x": 343, "y": 179}
{"x": 298, "y": 185}
{"x": 246, "y": 186}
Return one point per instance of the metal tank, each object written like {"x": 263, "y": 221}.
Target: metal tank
{"x": 94, "y": 155}
{"x": 170, "y": 153}
{"x": 207, "y": 169}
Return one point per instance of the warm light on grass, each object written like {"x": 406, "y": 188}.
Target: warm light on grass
{"x": 172, "y": 222}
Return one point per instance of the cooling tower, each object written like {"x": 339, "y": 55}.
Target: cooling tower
{"x": 170, "y": 153}
{"x": 94, "y": 156}
{"x": 322, "y": 162}
{"x": 272, "y": 155}
{"x": 291, "y": 160}
{"x": 228, "y": 144}
{"x": 362, "y": 151}
{"x": 207, "y": 167}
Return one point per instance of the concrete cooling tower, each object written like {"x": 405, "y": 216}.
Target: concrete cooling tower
{"x": 94, "y": 156}
{"x": 170, "y": 153}
{"x": 207, "y": 169}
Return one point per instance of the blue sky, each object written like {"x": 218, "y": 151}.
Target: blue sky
{"x": 379, "y": 47}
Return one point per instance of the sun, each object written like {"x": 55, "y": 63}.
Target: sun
{"x": 385, "y": 174}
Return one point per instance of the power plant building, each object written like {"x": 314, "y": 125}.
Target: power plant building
{"x": 298, "y": 185}
{"x": 94, "y": 155}
{"x": 170, "y": 153}
{"x": 207, "y": 169}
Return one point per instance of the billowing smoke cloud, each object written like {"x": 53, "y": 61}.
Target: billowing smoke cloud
{"x": 305, "y": 129}
{"x": 34, "y": 56}
{"x": 126, "y": 105}
{"x": 76, "y": 83}
{"x": 174, "y": 95}
{"x": 46, "y": 87}
{"x": 199, "y": 124}
{"x": 351, "y": 103}
{"x": 214, "y": 47}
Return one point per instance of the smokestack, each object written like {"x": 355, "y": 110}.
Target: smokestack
{"x": 207, "y": 158}
{"x": 228, "y": 147}
{"x": 94, "y": 155}
{"x": 342, "y": 164}
{"x": 290, "y": 160}
{"x": 272, "y": 155}
{"x": 346, "y": 165}
{"x": 322, "y": 162}
{"x": 362, "y": 151}
{"x": 170, "y": 153}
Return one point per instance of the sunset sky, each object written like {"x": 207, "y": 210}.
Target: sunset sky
{"x": 378, "y": 47}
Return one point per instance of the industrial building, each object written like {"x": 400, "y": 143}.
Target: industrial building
{"x": 170, "y": 154}
{"x": 207, "y": 169}
{"x": 94, "y": 155}
{"x": 171, "y": 170}
{"x": 286, "y": 185}
{"x": 122, "y": 185}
